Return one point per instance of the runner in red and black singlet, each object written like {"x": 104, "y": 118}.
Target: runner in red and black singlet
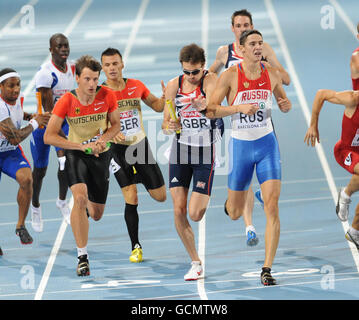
{"x": 132, "y": 159}
{"x": 346, "y": 150}
{"x": 88, "y": 110}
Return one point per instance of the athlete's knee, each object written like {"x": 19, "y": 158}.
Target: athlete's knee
{"x": 80, "y": 200}
{"x": 39, "y": 173}
{"x": 130, "y": 194}
{"x": 196, "y": 215}
{"x": 271, "y": 206}
{"x": 234, "y": 211}
{"x": 180, "y": 210}
{"x": 159, "y": 194}
{"x": 97, "y": 215}
{"x": 24, "y": 178}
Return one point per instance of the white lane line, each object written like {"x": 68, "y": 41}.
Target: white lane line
{"x": 15, "y": 19}
{"x": 352, "y": 28}
{"x": 307, "y": 115}
{"x": 202, "y": 224}
{"x": 60, "y": 235}
{"x": 135, "y": 28}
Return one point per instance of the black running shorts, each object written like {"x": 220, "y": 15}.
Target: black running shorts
{"x": 137, "y": 165}
{"x": 91, "y": 170}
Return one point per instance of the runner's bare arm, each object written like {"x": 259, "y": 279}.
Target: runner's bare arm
{"x": 349, "y": 99}
{"x": 222, "y": 90}
{"x": 14, "y": 135}
{"x": 47, "y": 99}
{"x": 219, "y": 62}
{"x": 157, "y": 104}
{"x": 271, "y": 57}
{"x": 354, "y": 65}
{"x": 169, "y": 126}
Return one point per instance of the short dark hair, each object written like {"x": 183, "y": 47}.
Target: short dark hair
{"x": 5, "y": 71}
{"x": 192, "y": 53}
{"x": 111, "y": 52}
{"x": 246, "y": 34}
{"x": 243, "y": 12}
{"x": 87, "y": 61}
{"x": 55, "y": 36}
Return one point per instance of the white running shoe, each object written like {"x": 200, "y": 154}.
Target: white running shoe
{"x": 352, "y": 236}
{"x": 342, "y": 208}
{"x": 195, "y": 272}
{"x": 36, "y": 219}
{"x": 65, "y": 210}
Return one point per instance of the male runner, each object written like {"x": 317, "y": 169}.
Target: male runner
{"x": 342, "y": 208}
{"x": 88, "y": 110}
{"x": 192, "y": 155}
{"x": 12, "y": 159}
{"x": 132, "y": 159}
{"x": 53, "y": 80}
{"x": 253, "y": 144}
{"x": 346, "y": 150}
{"x": 227, "y": 56}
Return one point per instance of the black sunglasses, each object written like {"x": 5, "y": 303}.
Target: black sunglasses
{"x": 193, "y": 72}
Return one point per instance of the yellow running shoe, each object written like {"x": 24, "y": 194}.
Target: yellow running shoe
{"x": 136, "y": 255}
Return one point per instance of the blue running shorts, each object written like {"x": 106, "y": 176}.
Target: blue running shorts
{"x": 39, "y": 150}
{"x": 12, "y": 161}
{"x": 245, "y": 156}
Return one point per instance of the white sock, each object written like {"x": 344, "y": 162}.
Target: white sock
{"x": 344, "y": 194}
{"x": 354, "y": 232}
{"x": 61, "y": 202}
{"x": 250, "y": 228}
{"x": 36, "y": 210}
{"x": 81, "y": 251}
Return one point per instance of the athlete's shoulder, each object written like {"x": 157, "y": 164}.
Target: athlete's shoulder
{"x": 132, "y": 83}
{"x": 210, "y": 77}
{"x": 105, "y": 93}
{"x": 44, "y": 69}
{"x": 173, "y": 84}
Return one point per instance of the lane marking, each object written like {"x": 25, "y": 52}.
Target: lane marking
{"x": 202, "y": 224}
{"x": 342, "y": 14}
{"x": 134, "y": 30}
{"x": 307, "y": 115}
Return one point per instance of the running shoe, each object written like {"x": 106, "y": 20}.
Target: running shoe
{"x": 136, "y": 255}
{"x": 24, "y": 235}
{"x": 352, "y": 238}
{"x": 266, "y": 277}
{"x": 342, "y": 208}
{"x": 195, "y": 272}
{"x": 65, "y": 210}
{"x": 259, "y": 197}
{"x": 83, "y": 267}
{"x": 252, "y": 239}
{"x": 36, "y": 219}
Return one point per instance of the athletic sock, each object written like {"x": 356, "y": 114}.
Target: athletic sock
{"x": 131, "y": 218}
{"x": 82, "y": 251}
{"x": 344, "y": 194}
{"x": 250, "y": 228}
